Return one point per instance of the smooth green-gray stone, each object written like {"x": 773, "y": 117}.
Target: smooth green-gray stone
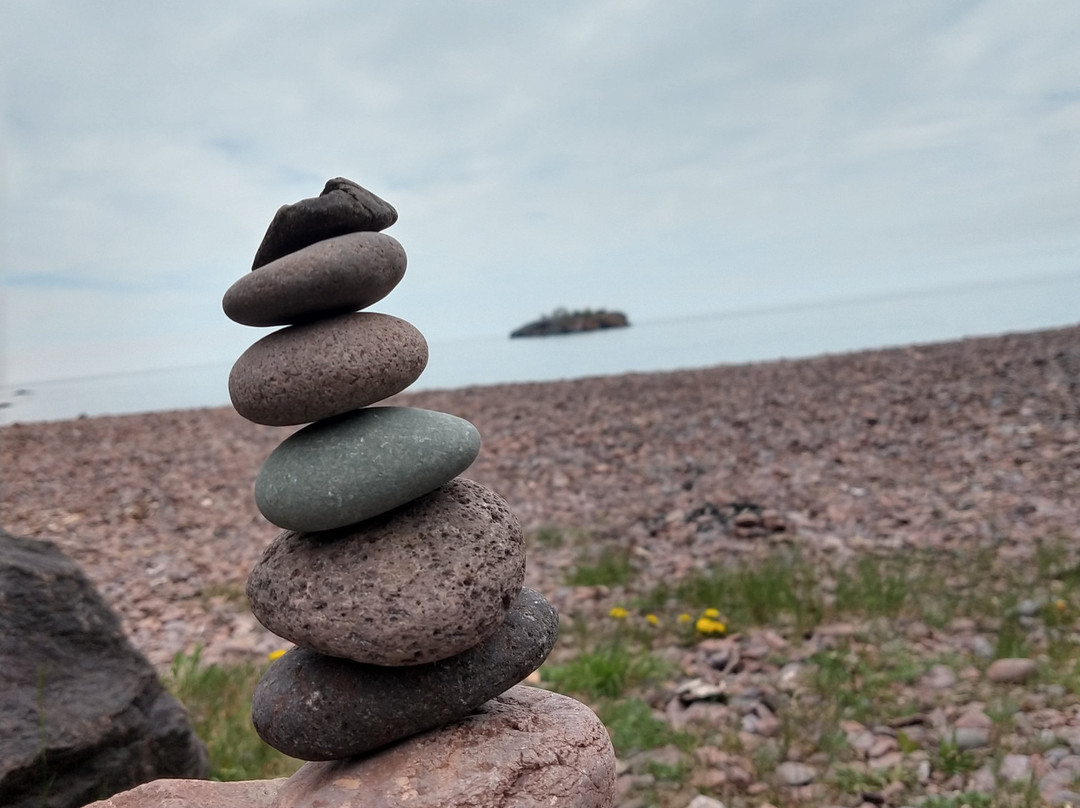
{"x": 346, "y": 469}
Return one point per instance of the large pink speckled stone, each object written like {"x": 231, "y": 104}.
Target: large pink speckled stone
{"x": 169, "y": 793}
{"x": 417, "y": 584}
{"x": 524, "y": 749}
{"x": 341, "y": 274}
{"x": 307, "y": 372}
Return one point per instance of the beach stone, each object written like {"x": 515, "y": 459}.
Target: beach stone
{"x": 524, "y": 748}
{"x": 338, "y": 275}
{"x": 342, "y": 207}
{"x": 939, "y": 677}
{"x": 168, "y": 793}
{"x": 793, "y": 773}
{"x": 342, "y": 470}
{"x": 416, "y": 584}
{"x": 1011, "y": 670}
{"x": 317, "y": 707}
{"x": 83, "y": 714}
{"x": 307, "y": 372}
{"x": 967, "y": 738}
{"x": 702, "y": 801}
{"x": 1015, "y": 768}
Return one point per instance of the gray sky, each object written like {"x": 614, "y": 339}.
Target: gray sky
{"x": 664, "y": 158}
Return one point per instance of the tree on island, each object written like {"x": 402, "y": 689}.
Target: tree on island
{"x": 564, "y": 321}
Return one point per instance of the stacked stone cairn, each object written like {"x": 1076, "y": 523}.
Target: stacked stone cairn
{"x": 398, "y": 582}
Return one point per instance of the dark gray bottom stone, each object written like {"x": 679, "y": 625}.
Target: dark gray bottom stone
{"x": 316, "y": 707}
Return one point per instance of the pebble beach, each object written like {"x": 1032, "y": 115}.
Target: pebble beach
{"x": 940, "y": 446}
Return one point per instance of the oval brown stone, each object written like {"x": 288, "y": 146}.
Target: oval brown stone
{"x": 414, "y": 585}
{"x": 338, "y": 275}
{"x": 303, "y": 373}
{"x": 317, "y": 707}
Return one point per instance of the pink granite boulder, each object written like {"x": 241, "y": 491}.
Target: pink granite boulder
{"x": 169, "y": 793}
{"x": 523, "y": 749}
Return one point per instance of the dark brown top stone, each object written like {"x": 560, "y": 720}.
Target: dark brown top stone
{"x": 342, "y": 207}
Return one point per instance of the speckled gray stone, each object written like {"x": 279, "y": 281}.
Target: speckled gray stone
{"x": 303, "y": 373}
{"x": 342, "y": 207}
{"x": 416, "y": 584}
{"x": 342, "y": 470}
{"x": 317, "y": 707}
{"x": 341, "y": 274}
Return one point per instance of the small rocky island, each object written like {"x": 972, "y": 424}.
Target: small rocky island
{"x": 562, "y": 321}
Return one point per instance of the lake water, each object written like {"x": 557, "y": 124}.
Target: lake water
{"x": 727, "y": 338}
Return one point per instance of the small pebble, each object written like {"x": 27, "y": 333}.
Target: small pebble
{"x": 1015, "y": 768}
{"x": 792, "y": 773}
{"x": 982, "y": 647}
{"x": 1015, "y": 670}
{"x": 1027, "y": 608}
{"x": 940, "y": 677}
{"x": 701, "y": 801}
{"x": 967, "y": 738}
{"x": 974, "y": 718}
{"x": 983, "y": 780}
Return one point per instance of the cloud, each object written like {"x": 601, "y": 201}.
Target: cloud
{"x": 663, "y": 157}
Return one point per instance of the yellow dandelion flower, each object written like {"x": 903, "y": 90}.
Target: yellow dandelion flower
{"x": 706, "y": 625}
{"x": 711, "y": 614}
{"x": 618, "y": 613}
{"x": 652, "y": 619}
{"x": 1059, "y": 604}
{"x": 278, "y": 654}
{"x": 684, "y": 618}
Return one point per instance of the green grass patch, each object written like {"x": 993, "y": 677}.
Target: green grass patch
{"x": 218, "y": 700}
{"x": 778, "y": 590}
{"x": 606, "y": 671}
{"x": 610, "y": 567}
{"x": 861, "y": 683}
{"x": 876, "y": 587}
{"x": 951, "y": 759}
{"x": 634, "y": 728}
{"x": 548, "y": 536}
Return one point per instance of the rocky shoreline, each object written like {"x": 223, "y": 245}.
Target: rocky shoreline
{"x": 908, "y": 447}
